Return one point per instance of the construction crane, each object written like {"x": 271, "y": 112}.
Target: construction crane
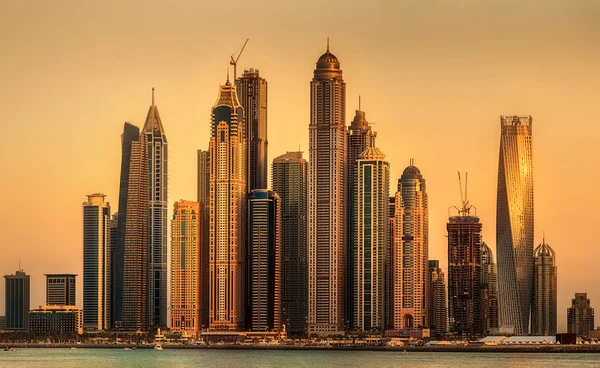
{"x": 234, "y": 61}
{"x": 466, "y": 207}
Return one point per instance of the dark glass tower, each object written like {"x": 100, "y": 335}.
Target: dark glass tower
{"x": 289, "y": 181}
{"x": 252, "y": 93}
{"x": 17, "y": 297}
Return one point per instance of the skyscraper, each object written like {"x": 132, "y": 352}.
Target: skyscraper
{"x": 61, "y": 289}
{"x": 489, "y": 291}
{"x": 96, "y": 263}
{"x": 326, "y": 192}
{"x": 543, "y": 306}
{"x": 358, "y": 138}
{"x": 438, "y": 310}
{"x": 264, "y": 261}
{"x": 290, "y": 181}
{"x": 464, "y": 274}
{"x": 204, "y": 202}
{"x": 157, "y": 155}
{"x": 514, "y": 222}
{"x": 252, "y": 94}
{"x": 227, "y": 212}
{"x": 370, "y": 240}
{"x": 134, "y": 219}
{"x": 16, "y": 299}
{"x": 131, "y": 134}
{"x": 580, "y": 317}
{"x": 410, "y": 267}
{"x": 186, "y": 259}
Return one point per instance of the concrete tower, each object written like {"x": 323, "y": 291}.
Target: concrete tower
{"x": 157, "y": 155}
{"x": 96, "y": 264}
{"x": 514, "y": 222}
{"x": 326, "y": 192}
{"x": 227, "y": 212}
{"x": 410, "y": 278}
{"x": 543, "y": 306}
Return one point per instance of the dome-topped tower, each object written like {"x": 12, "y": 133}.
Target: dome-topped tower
{"x": 328, "y": 66}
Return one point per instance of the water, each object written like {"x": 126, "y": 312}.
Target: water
{"x": 105, "y": 358}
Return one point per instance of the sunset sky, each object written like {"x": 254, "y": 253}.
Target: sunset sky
{"x": 434, "y": 76}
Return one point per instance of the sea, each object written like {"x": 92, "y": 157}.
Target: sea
{"x": 175, "y": 358}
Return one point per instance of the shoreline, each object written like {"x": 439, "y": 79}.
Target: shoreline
{"x": 593, "y": 349}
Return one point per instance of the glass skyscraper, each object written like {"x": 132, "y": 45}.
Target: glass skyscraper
{"x": 514, "y": 222}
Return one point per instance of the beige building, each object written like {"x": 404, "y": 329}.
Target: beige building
{"x": 227, "y": 212}
{"x": 186, "y": 260}
{"x": 410, "y": 269}
{"x": 326, "y": 192}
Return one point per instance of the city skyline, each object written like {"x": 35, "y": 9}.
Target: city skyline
{"x": 475, "y": 122}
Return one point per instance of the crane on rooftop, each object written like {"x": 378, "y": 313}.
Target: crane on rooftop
{"x": 234, "y": 61}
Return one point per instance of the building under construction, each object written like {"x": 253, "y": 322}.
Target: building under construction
{"x": 464, "y": 272}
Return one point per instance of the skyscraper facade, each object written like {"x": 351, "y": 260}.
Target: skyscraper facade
{"x": 61, "y": 289}
{"x": 464, "y": 274}
{"x": 264, "y": 261}
{"x": 227, "y": 212}
{"x": 358, "y": 138}
{"x": 326, "y": 202}
{"x": 135, "y": 248}
{"x": 96, "y": 263}
{"x": 410, "y": 278}
{"x": 157, "y": 155}
{"x": 514, "y": 222}
{"x": 204, "y": 203}
{"x": 370, "y": 240}
{"x": 252, "y": 94}
{"x": 543, "y": 306}
{"x": 489, "y": 291}
{"x": 438, "y": 310}
{"x": 186, "y": 278}
{"x": 16, "y": 299}
{"x": 580, "y": 317}
{"x": 131, "y": 134}
{"x": 289, "y": 173}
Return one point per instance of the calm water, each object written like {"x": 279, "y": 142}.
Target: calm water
{"x": 80, "y": 358}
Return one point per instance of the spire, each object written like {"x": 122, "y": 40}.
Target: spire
{"x": 153, "y": 123}
{"x": 359, "y": 103}
{"x": 227, "y": 75}
{"x": 327, "y": 44}
{"x": 152, "y": 96}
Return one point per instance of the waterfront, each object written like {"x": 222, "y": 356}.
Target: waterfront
{"x": 148, "y": 358}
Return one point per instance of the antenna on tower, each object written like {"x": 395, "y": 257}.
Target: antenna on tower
{"x": 234, "y": 61}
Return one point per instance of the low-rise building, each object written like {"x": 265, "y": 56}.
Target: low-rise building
{"x": 53, "y": 320}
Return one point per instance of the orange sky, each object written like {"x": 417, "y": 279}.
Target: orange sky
{"x": 434, "y": 76}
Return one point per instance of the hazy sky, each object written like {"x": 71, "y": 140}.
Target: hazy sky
{"x": 434, "y": 77}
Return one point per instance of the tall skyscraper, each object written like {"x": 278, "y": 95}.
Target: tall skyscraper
{"x": 252, "y": 94}
{"x": 157, "y": 155}
{"x": 186, "y": 260}
{"x": 410, "y": 278}
{"x": 489, "y": 291}
{"x": 133, "y": 233}
{"x": 543, "y": 306}
{"x": 264, "y": 261}
{"x": 16, "y": 299}
{"x": 389, "y": 297}
{"x": 438, "y": 310}
{"x": 227, "y": 212}
{"x": 580, "y": 317}
{"x": 290, "y": 182}
{"x": 326, "y": 192}
{"x": 464, "y": 274}
{"x": 359, "y": 137}
{"x": 370, "y": 240}
{"x": 61, "y": 289}
{"x": 96, "y": 263}
{"x": 204, "y": 202}
{"x": 514, "y": 222}
{"x": 113, "y": 225}
{"x": 131, "y": 134}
